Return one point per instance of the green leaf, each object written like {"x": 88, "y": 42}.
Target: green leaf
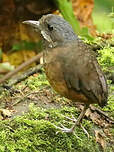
{"x": 0, "y": 53}
{"x": 85, "y": 33}
{"x": 25, "y": 45}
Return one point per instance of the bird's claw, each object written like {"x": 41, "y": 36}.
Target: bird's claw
{"x": 64, "y": 129}
{"x": 71, "y": 130}
{"x": 86, "y": 132}
{"x": 73, "y": 119}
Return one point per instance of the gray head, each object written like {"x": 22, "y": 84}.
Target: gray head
{"x": 54, "y": 29}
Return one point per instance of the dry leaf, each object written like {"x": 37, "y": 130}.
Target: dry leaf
{"x": 100, "y": 138}
{"x": 88, "y": 112}
{"x": 4, "y": 113}
{"x": 16, "y": 58}
{"x": 107, "y": 132}
{"x": 83, "y": 12}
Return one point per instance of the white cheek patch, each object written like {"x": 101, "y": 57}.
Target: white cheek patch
{"x": 46, "y": 37}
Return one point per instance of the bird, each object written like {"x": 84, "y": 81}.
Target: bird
{"x": 70, "y": 65}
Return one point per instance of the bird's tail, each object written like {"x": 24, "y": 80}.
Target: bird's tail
{"x": 103, "y": 100}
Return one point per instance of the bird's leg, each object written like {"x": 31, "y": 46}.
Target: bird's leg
{"x": 77, "y": 122}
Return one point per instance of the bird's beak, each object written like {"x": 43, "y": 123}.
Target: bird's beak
{"x": 32, "y": 23}
{"x": 36, "y": 25}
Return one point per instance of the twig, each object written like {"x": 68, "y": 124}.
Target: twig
{"x": 102, "y": 113}
{"x": 24, "y": 75}
{"x": 24, "y": 97}
{"x": 23, "y": 65}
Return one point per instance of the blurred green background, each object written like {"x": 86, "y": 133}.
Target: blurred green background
{"x": 103, "y": 15}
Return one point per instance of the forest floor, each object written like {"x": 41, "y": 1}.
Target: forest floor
{"x": 28, "y": 119}
{"x": 30, "y": 110}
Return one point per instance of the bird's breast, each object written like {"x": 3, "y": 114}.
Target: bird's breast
{"x": 56, "y": 79}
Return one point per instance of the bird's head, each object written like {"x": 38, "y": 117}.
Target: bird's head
{"x": 54, "y": 29}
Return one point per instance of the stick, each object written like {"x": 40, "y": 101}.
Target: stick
{"x": 23, "y": 65}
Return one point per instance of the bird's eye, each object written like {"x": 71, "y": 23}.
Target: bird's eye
{"x": 50, "y": 27}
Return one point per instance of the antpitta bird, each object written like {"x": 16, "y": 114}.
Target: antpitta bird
{"x": 70, "y": 65}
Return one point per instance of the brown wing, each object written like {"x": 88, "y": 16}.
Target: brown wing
{"x": 83, "y": 74}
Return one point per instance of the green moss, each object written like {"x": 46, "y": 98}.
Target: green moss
{"x": 106, "y": 57}
{"x": 110, "y": 106}
{"x": 38, "y": 82}
{"x": 35, "y": 132}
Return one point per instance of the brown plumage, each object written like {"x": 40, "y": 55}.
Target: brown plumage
{"x": 70, "y": 65}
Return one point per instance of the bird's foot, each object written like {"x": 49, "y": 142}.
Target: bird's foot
{"x": 64, "y": 129}
{"x": 71, "y": 130}
{"x": 73, "y": 119}
{"x": 84, "y": 130}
